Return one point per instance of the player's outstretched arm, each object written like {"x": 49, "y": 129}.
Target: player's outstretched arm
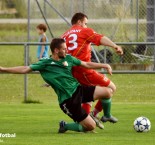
{"x": 92, "y": 65}
{"x": 16, "y": 70}
{"x": 107, "y": 42}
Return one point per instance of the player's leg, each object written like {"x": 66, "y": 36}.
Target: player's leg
{"x": 72, "y": 107}
{"x": 98, "y": 106}
{"x": 88, "y": 123}
{"x": 99, "y": 80}
{"x": 102, "y": 80}
{"x": 87, "y": 107}
{"x": 79, "y": 75}
{"x": 87, "y": 78}
{"x": 99, "y": 93}
{"x": 106, "y": 105}
{"x": 104, "y": 95}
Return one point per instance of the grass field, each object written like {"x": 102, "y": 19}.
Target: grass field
{"x": 37, "y": 124}
{"x": 18, "y": 32}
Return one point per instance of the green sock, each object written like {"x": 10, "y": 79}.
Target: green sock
{"x": 74, "y": 127}
{"x": 106, "y": 104}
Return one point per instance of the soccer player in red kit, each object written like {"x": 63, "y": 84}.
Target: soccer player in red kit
{"x": 78, "y": 40}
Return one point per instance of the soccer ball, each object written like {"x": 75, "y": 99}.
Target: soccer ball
{"x": 142, "y": 124}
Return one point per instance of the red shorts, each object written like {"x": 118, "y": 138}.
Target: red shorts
{"x": 90, "y": 77}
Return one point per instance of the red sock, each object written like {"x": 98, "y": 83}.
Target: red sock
{"x": 86, "y": 107}
{"x": 98, "y": 107}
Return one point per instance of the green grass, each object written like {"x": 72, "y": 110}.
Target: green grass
{"x": 125, "y": 33}
{"x": 38, "y": 125}
{"x": 130, "y": 88}
{"x": 137, "y": 88}
{"x": 13, "y": 32}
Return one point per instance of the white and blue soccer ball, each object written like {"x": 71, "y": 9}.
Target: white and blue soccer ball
{"x": 142, "y": 124}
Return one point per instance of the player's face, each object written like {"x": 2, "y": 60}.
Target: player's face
{"x": 84, "y": 23}
{"x": 62, "y": 51}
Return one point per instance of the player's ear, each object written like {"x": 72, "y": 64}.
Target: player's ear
{"x": 56, "y": 50}
{"x": 79, "y": 22}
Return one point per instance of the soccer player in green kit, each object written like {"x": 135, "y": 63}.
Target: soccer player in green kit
{"x": 57, "y": 72}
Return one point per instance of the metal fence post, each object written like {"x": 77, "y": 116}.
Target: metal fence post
{"x": 154, "y": 34}
{"x": 25, "y": 76}
{"x": 137, "y": 20}
{"x": 28, "y": 24}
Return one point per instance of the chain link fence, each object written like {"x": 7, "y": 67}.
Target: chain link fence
{"x": 121, "y": 21}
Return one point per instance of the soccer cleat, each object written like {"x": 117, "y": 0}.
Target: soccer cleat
{"x": 111, "y": 119}
{"x": 62, "y": 127}
{"x": 97, "y": 121}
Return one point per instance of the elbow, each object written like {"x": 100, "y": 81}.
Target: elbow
{"x": 26, "y": 71}
{"x": 87, "y": 65}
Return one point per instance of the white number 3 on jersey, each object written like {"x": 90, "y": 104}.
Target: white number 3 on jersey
{"x": 73, "y": 41}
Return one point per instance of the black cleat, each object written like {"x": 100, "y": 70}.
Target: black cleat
{"x": 62, "y": 127}
{"x": 111, "y": 119}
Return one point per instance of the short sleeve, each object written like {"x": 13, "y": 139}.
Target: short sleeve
{"x": 38, "y": 66}
{"x": 43, "y": 39}
{"x": 76, "y": 62}
{"x": 92, "y": 36}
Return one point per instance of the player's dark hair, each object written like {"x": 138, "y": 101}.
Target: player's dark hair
{"x": 42, "y": 27}
{"x": 56, "y": 43}
{"x": 78, "y": 16}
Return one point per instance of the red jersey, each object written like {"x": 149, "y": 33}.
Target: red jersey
{"x": 78, "y": 41}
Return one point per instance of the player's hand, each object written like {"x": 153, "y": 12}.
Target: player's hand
{"x": 109, "y": 69}
{"x": 119, "y": 50}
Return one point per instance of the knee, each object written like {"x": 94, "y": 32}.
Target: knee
{"x": 91, "y": 126}
{"x": 113, "y": 89}
{"x": 112, "y": 86}
{"x": 109, "y": 93}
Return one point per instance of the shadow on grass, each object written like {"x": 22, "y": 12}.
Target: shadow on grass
{"x": 30, "y": 101}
